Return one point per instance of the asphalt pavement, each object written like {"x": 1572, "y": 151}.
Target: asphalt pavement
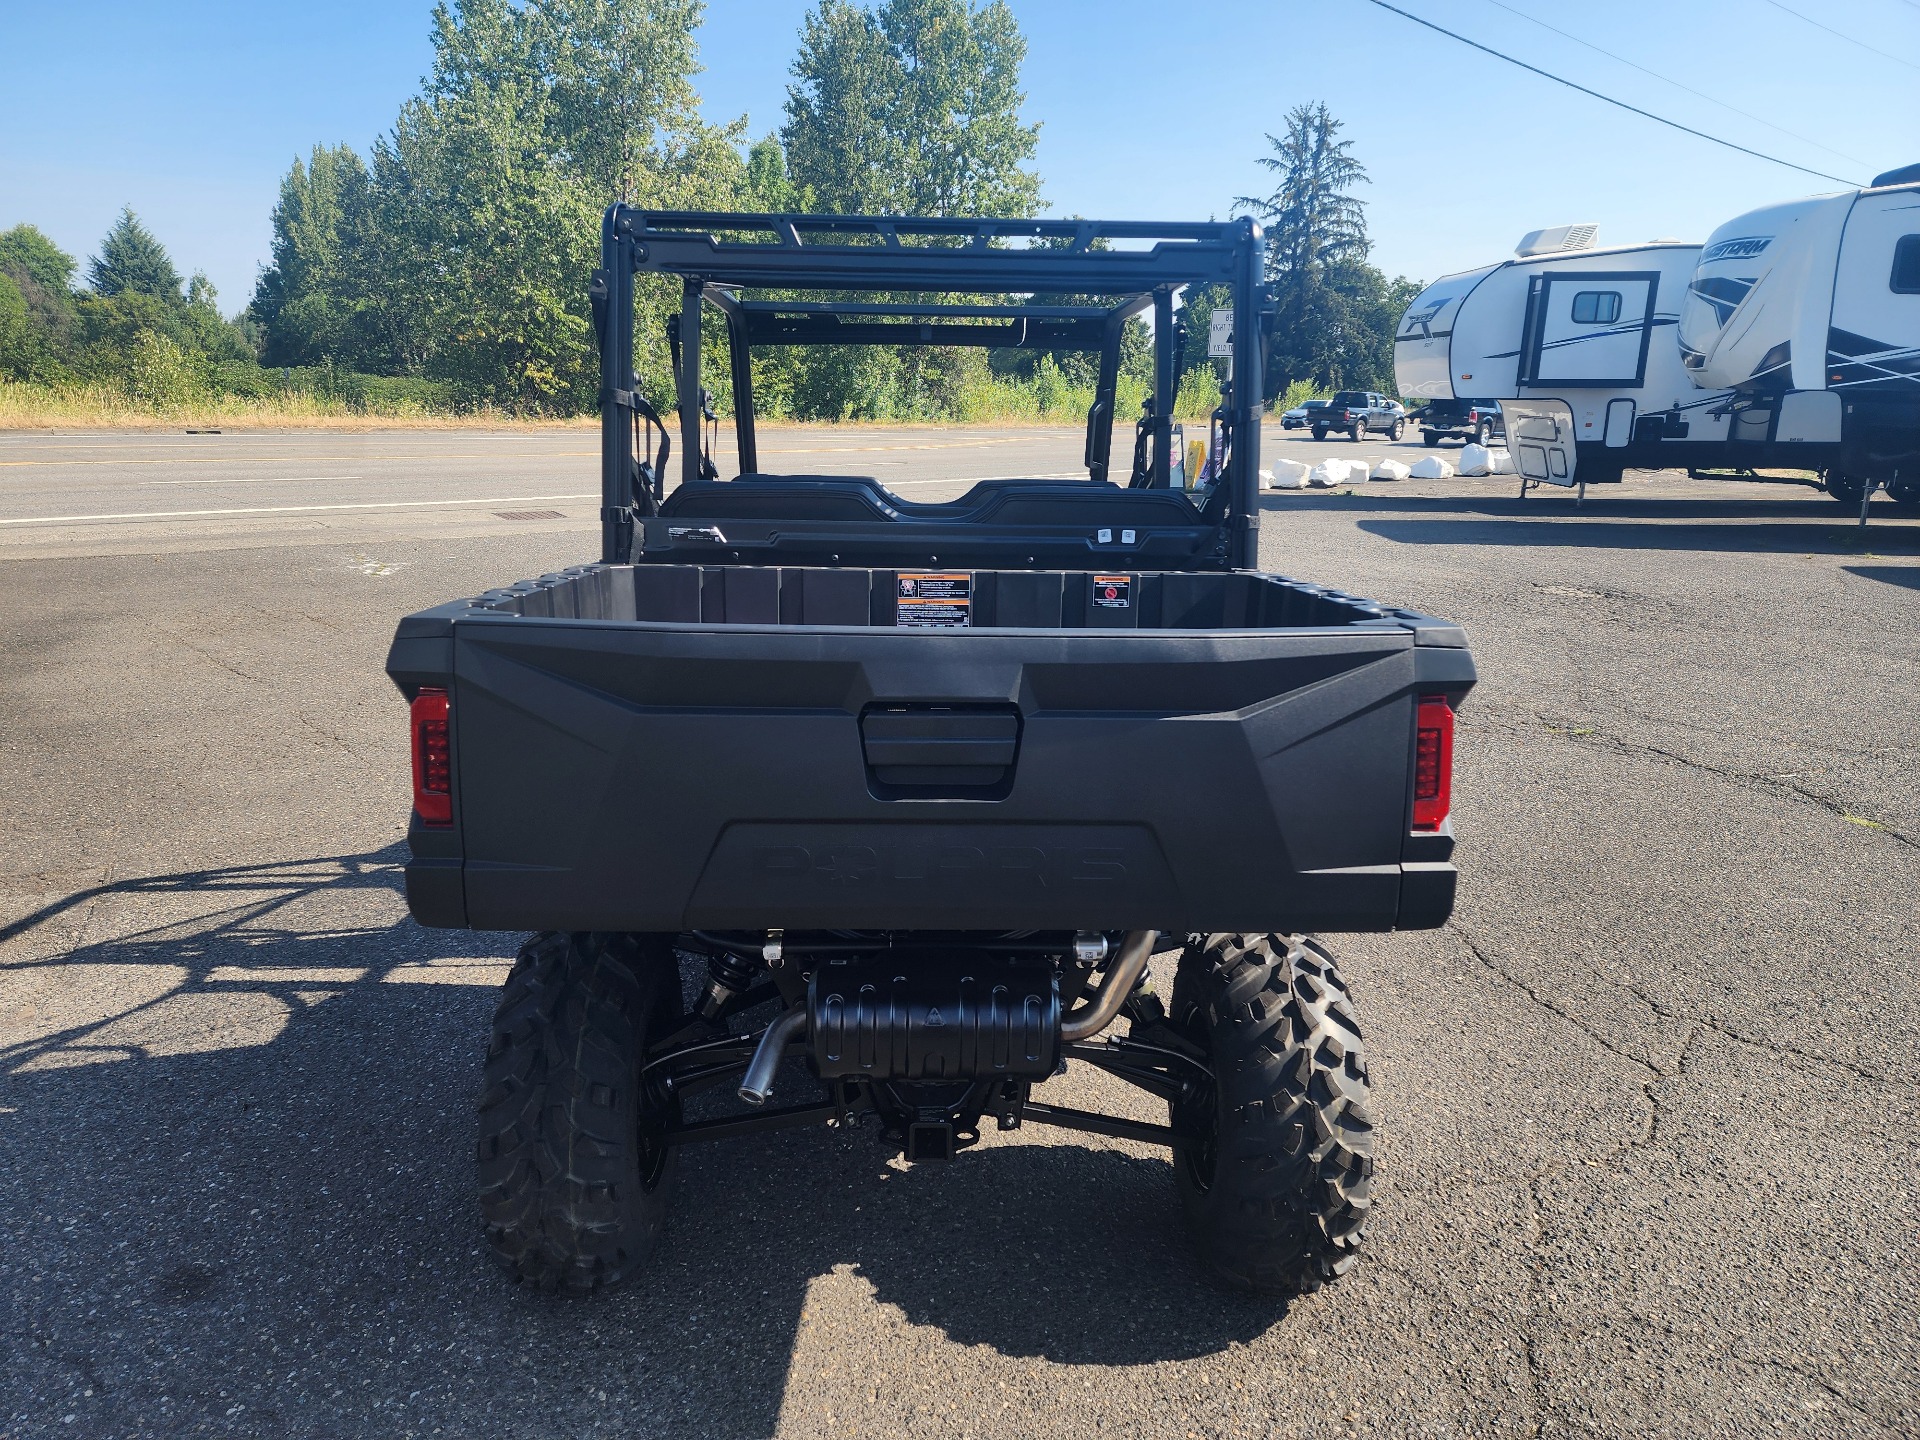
{"x": 1648, "y": 1105}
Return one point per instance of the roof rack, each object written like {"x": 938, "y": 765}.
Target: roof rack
{"x": 719, "y": 256}
{"x": 860, "y": 252}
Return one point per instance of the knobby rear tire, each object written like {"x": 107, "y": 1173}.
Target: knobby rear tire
{"x": 574, "y": 1170}
{"x": 1276, "y": 1174}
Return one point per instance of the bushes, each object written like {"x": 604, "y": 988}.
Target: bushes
{"x": 1297, "y": 394}
{"x": 160, "y": 375}
{"x": 1199, "y": 394}
{"x": 344, "y": 389}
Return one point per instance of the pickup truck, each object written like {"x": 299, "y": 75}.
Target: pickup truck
{"x": 1360, "y": 412}
{"x": 911, "y": 792}
{"x": 1469, "y": 421}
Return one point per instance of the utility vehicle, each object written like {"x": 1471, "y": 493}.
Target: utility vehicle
{"x": 912, "y": 791}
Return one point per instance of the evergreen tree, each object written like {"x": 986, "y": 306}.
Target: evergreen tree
{"x": 133, "y": 261}
{"x": 1334, "y": 313}
{"x": 913, "y": 108}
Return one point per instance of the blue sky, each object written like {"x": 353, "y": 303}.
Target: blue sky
{"x": 192, "y": 110}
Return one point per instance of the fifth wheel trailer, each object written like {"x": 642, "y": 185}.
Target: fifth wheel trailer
{"x": 1790, "y": 339}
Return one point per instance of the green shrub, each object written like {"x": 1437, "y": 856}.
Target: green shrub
{"x": 162, "y": 375}
{"x": 1297, "y": 394}
{"x": 1199, "y": 393}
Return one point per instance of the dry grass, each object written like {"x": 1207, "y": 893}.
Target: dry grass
{"x": 40, "y": 407}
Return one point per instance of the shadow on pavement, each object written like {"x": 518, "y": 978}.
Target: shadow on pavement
{"x": 239, "y": 1136}
{"x": 1602, "y": 503}
{"x": 1907, "y": 575}
{"x": 1586, "y": 530}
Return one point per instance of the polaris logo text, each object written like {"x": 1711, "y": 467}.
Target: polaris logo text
{"x": 861, "y": 865}
{"x": 1736, "y": 249}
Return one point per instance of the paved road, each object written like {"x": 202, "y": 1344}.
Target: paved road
{"x": 1649, "y": 1105}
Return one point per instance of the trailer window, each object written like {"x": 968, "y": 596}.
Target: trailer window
{"x": 1905, "y": 279}
{"x": 1596, "y": 307}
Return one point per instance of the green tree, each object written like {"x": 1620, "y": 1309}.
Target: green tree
{"x": 133, "y": 261}
{"x": 1326, "y": 297}
{"x": 625, "y": 115}
{"x": 486, "y": 197}
{"x": 913, "y": 109}
{"x": 26, "y": 252}
{"x": 19, "y": 350}
{"x": 306, "y": 300}
{"x": 41, "y": 273}
{"x": 767, "y": 187}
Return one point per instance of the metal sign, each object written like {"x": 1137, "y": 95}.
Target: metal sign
{"x": 1220, "y": 336}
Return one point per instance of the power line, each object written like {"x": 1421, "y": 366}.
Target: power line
{"x": 1669, "y": 80}
{"x": 1635, "y": 109}
{"x": 1838, "y": 35}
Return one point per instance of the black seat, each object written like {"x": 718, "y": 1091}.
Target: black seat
{"x": 781, "y": 497}
{"x": 862, "y": 499}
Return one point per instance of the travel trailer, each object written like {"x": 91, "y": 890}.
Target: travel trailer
{"x": 1791, "y": 339}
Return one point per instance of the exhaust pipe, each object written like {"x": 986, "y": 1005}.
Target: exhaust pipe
{"x": 1096, "y": 1013}
{"x": 1092, "y": 1016}
{"x": 757, "y": 1084}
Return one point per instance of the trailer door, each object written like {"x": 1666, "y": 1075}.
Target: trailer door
{"x": 1589, "y": 328}
{"x": 1873, "y": 342}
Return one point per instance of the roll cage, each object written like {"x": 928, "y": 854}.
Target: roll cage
{"x": 1116, "y": 269}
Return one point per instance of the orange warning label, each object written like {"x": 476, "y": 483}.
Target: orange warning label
{"x": 933, "y": 601}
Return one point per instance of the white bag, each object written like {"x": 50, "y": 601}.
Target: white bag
{"x": 1499, "y": 462}
{"x": 1431, "y": 467}
{"x": 1390, "y": 470}
{"x": 1473, "y": 460}
{"x": 1329, "y": 473}
{"x": 1286, "y": 475}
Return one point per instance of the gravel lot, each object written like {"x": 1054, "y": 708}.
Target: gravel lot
{"x": 1649, "y": 1105}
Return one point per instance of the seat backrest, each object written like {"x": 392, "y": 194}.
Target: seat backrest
{"x": 785, "y": 497}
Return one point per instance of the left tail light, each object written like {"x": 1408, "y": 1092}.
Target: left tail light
{"x": 432, "y": 759}
{"x": 1432, "y": 763}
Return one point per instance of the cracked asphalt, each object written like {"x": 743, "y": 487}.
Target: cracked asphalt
{"x": 1648, "y": 1105}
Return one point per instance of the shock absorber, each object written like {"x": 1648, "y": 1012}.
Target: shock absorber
{"x": 728, "y": 975}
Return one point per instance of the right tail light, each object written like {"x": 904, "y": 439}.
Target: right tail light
{"x": 432, "y": 759}
{"x": 1432, "y": 762}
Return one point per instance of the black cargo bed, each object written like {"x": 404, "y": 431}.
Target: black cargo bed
{"x": 1118, "y": 599}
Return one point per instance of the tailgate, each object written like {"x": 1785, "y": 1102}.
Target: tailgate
{"x": 615, "y": 776}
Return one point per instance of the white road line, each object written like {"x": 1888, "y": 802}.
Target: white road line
{"x": 419, "y": 504}
{"x": 253, "y": 480}
{"x": 288, "y": 509}
{"x": 441, "y": 454}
